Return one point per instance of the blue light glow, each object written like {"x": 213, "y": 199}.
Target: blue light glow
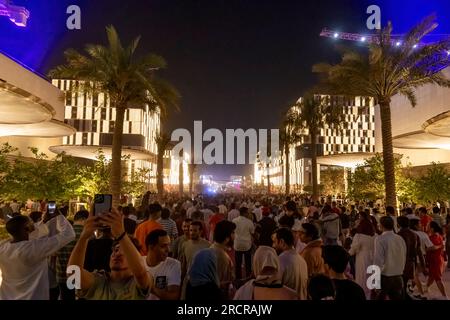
{"x": 46, "y": 28}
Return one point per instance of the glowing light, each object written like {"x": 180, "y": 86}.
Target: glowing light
{"x": 363, "y": 39}
{"x": 398, "y": 43}
{"x": 336, "y": 35}
{"x": 415, "y": 46}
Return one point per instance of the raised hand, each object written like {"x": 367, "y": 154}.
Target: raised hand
{"x": 114, "y": 220}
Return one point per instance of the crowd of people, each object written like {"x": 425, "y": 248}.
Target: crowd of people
{"x": 225, "y": 247}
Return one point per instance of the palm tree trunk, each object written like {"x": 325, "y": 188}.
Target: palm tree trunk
{"x": 159, "y": 171}
{"x": 288, "y": 180}
{"x": 181, "y": 178}
{"x": 191, "y": 178}
{"x": 315, "y": 187}
{"x": 388, "y": 153}
{"x": 116, "y": 157}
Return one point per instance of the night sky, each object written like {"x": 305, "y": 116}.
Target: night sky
{"x": 236, "y": 63}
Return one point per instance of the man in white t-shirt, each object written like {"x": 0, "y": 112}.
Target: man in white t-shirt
{"x": 234, "y": 213}
{"x": 165, "y": 271}
{"x": 243, "y": 242}
{"x": 24, "y": 262}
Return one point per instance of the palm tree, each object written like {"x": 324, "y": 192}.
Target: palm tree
{"x": 387, "y": 69}
{"x": 289, "y": 135}
{"x": 128, "y": 81}
{"x": 312, "y": 114}
{"x": 162, "y": 142}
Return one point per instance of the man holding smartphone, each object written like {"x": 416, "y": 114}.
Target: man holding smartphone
{"x": 128, "y": 279}
{"x": 24, "y": 262}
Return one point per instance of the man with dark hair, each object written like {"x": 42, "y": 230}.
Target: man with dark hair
{"x": 321, "y": 287}
{"x": 178, "y": 243}
{"x": 390, "y": 257}
{"x": 128, "y": 279}
{"x": 331, "y": 225}
{"x": 63, "y": 255}
{"x": 390, "y": 212}
{"x": 354, "y": 216}
{"x": 142, "y": 230}
{"x": 312, "y": 253}
{"x": 165, "y": 271}
{"x": 336, "y": 259}
{"x": 264, "y": 230}
{"x": 23, "y": 262}
{"x": 243, "y": 242}
{"x": 412, "y": 242}
{"x": 436, "y": 216}
{"x": 168, "y": 224}
{"x": 288, "y": 219}
{"x": 293, "y": 267}
{"x": 234, "y": 213}
{"x": 425, "y": 245}
{"x": 224, "y": 237}
{"x": 425, "y": 219}
{"x": 213, "y": 221}
{"x": 189, "y": 249}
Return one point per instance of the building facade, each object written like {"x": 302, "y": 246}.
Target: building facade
{"x": 94, "y": 119}
{"x": 31, "y": 109}
{"x": 346, "y": 145}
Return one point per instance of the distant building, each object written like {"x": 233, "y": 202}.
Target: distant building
{"x": 346, "y": 146}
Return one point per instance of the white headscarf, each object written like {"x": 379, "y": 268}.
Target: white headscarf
{"x": 265, "y": 257}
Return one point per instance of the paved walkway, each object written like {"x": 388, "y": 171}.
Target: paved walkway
{"x": 433, "y": 291}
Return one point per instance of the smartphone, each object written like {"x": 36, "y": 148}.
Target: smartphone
{"x": 51, "y": 207}
{"x": 102, "y": 204}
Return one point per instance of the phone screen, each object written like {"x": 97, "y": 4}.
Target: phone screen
{"x": 102, "y": 204}
{"x": 51, "y": 207}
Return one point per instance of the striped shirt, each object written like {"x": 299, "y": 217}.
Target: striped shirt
{"x": 170, "y": 227}
{"x": 63, "y": 255}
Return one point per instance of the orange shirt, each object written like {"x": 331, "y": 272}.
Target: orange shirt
{"x": 143, "y": 230}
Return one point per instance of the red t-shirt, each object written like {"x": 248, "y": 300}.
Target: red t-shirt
{"x": 425, "y": 221}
